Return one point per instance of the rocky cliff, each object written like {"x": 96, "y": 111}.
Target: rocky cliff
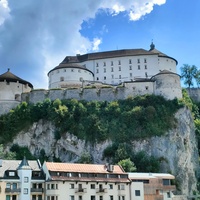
{"x": 177, "y": 148}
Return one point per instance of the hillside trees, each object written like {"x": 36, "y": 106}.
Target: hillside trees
{"x": 190, "y": 74}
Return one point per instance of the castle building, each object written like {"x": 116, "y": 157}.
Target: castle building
{"x": 112, "y": 67}
{"x": 140, "y": 71}
{"x": 21, "y": 180}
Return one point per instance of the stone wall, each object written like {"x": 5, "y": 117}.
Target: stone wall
{"x": 6, "y": 106}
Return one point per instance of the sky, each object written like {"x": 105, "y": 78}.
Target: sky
{"x": 35, "y": 35}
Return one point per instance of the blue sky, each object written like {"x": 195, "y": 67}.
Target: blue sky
{"x": 35, "y": 36}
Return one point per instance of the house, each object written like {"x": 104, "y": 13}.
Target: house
{"x": 74, "y": 181}
{"x": 21, "y": 180}
{"x": 152, "y": 186}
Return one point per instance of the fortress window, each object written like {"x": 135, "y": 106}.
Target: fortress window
{"x": 137, "y": 192}
{"x": 120, "y": 76}
{"x": 119, "y": 68}
{"x": 104, "y": 77}
{"x": 111, "y": 63}
{"x": 130, "y": 67}
{"x": 119, "y": 62}
{"x": 133, "y": 88}
{"x": 72, "y": 70}
{"x": 64, "y": 70}
{"x": 130, "y": 61}
{"x": 145, "y": 67}
{"x": 104, "y": 63}
{"x": 145, "y": 60}
{"x": 104, "y": 70}
{"x": 138, "y": 66}
{"x": 146, "y": 87}
{"x": 112, "y": 69}
{"x": 97, "y": 64}
{"x": 62, "y": 78}
{"x": 97, "y": 78}
{"x": 130, "y": 74}
{"x": 97, "y": 71}
{"x": 79, "y": 71}
{"x": 7, "y": 83}
{"x": 112, "y": 76}
{"x": 138, "y": 60}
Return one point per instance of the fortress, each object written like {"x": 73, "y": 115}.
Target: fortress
{"x": 100, "y": 76}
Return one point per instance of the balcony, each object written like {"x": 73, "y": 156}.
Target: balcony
{"x": 80, "y": 190}
{"x": 37, "y": 190}
{"x": 14, "y": 190}
{"x": 101, "y": 190}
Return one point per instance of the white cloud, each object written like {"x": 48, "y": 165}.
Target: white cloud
{"x": 35, "y": 36}
{"x": 4, "y": 11}
{"x": 96, "y": 42}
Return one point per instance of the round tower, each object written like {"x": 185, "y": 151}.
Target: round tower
{"x": 68, "y": 75}
{"x": 167, "y": 84}
{"x": 11, "y": 88}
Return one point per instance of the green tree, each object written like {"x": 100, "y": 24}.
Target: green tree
{"x": 127, "y": 165}
{"x": 189, "y": 74}
{"x": 6, "y": 155}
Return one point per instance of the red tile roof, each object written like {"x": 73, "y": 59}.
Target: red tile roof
{"x": 84, "y": 168}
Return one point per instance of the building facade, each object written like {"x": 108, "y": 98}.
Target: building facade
{"x": 85, "y": 182}
{"x": 152, "y": 186}
{"x": 21, "y": 180}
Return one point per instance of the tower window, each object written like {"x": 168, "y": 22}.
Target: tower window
{"x": 138, "y": 60}
{"x": 111, "y": 63}
{"x": 145, "y": 60}
{"x": 97, "y": 64}
{"x": 119, "y": 62}
{"x": 130, "y": 67}
{"x": 119, "y": 68}
{"x": 62, "y": 78}
{"x": 138, "y": 66}
{"x": 104, "y": 63}
{"x": 130, "y": 61}
{"x": 104, "y": 70}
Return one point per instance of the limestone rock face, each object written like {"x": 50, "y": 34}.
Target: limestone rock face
{"x": 177, "y": 149}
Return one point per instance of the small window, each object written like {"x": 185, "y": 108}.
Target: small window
{"x": 130, "y": 61}
{"x": 119, "y": 68}
{"x": 72, "y": 186}
{"x": 97, "y": 78}
{"x": 62, "y": 78}
{"x": 119, "y": 62}
{"x": 97, "y": 64}
{"x": 139, "y": 67}
{"x": 92, "y": 197}
{"x": 80, "y": 198}
{"x": 104, "y": 70}
{"x": 112, "y": 69}
{"x": 11, "y": 173}
{"x": 64, "y": 70}
{"x": 52, "y": 186}
{"x": 145, "y": 67}
{"x": 168, "y": 195}
{"x": 131, "y": 75}
{"x": 25, "y": 179}
{"x": 72, "y": 70}
{"x": 72, "y": 197}
{"x": 104, "y": 63}
{"x": 137, "y": 193}
{"x": 130, "y": 67}
{"x": 146, "y": 87}
{"x": 100, "y": 197}
{"x": 79, "y": 71}
{"x": 111, "y": 197}
{"x": 97, "y": 71}
{"x": 57, "y": 71}
{"x": 110, "y": 186}
{"x": 104, "y": 77}
{"x": 25, "y": 190}
{"x": 7, "y": 83}
{"x": 120, "y": 76}
{"x": 112, "y": 76}
{"x": 111, "y": 63}
{"x": 145, "y": 60}
{"x": 7, "y": 185}
{"x": 92, "y": 186}
{"x": 138, "y": 60}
